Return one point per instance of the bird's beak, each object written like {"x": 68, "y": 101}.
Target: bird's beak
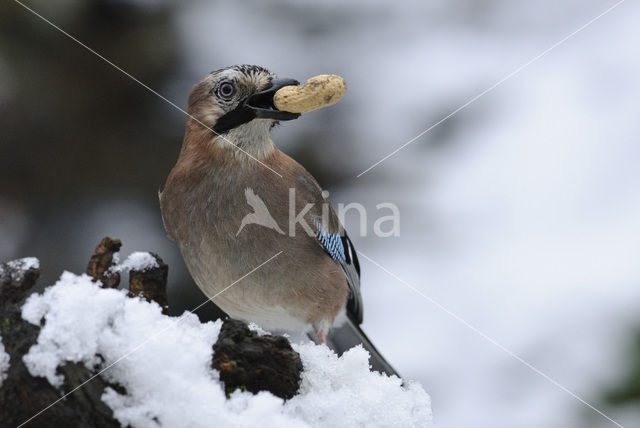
{"x": 256, "y": 106}
{"x": 261, "y": 103}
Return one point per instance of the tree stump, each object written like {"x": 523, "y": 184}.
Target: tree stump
{"x": 151, "y": 283}
{"x": 99, "y": 267}
{"x": 23, "y": 396}
{"x": 255, "y": 363}
{"x": 244, "y": 359}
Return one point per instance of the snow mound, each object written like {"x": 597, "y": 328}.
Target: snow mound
{"x": 20, "y": 266}
{"x": 342, "y": 392}
{"x": 139, "y": 260}
{"x": 164, "y": 364}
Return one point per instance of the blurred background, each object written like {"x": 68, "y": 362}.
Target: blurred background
{"x": 520, "y": 214}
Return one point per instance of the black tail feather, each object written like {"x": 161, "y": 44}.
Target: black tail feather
{"x": 348, "y": 335}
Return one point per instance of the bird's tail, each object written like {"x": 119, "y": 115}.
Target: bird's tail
{"x": 345, "y": 337}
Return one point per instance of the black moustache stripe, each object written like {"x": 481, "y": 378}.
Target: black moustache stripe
{"x": 236, "y": 117}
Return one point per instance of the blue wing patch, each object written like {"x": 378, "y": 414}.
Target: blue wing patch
{"x": 332, "y": 243}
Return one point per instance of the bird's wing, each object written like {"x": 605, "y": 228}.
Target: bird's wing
{"x": 330, "y": 235}
{"x": 340, "y": 248}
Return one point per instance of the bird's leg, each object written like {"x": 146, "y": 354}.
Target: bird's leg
{"x": 321, "y": 329}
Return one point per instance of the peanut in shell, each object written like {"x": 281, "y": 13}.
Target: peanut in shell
{"x": 317, "y": 92}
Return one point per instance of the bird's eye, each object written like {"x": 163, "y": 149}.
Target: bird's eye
{"x": 226, "y": 90}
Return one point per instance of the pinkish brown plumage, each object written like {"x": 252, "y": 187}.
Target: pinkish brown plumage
{"x": 204, "y": 202}
{"x": 228, "y": 175}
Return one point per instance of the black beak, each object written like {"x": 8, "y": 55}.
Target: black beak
{"x": 256, "y": 106}
{"x": 262, "y": 102}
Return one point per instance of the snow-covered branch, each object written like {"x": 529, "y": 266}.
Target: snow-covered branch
{"x": 153, "y": 370}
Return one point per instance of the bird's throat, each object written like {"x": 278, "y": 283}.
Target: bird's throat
{"x": 250, "y": 140}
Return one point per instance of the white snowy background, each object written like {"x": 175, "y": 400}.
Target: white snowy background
{"x": 520, "y": 214}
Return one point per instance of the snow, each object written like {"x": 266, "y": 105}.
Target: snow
{"x": 24, "y": 264}
{"x": 20, "y": 266}
{"x": 4, "y": 362}
{"x": 139, "y": 260}
{"x": 164, "y": 363}
{"x": 332, "y": 386}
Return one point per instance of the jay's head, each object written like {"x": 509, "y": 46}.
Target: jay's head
{"x": 237, "y": 103}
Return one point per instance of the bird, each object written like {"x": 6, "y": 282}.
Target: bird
{"x": 300, "y": 273}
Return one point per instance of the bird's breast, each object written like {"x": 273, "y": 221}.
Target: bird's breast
{"x": 232, "y": 226}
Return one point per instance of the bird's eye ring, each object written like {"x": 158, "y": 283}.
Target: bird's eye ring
{"x": 226, "y": 90}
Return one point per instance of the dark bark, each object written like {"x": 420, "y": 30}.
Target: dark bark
{"x": 256, "y": 363}
{"x": 151, "y": 284}
{"x": 16, "y": 281}
{"x": 102, "y": 260}
{"x": 22, "y": 396}
{"x": 244, "y": 359}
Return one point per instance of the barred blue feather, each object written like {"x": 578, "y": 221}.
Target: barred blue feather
{"x": 331, "y": 242}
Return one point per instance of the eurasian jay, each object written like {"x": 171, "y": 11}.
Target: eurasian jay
{"x": 233, "y": 201}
